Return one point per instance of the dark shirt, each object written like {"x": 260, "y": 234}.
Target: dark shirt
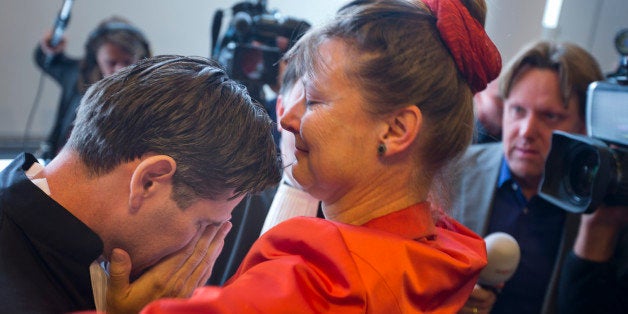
{"x": 247, "y": 219}
{"x": 45, "y": 251}
{"x": 537, "y": 226}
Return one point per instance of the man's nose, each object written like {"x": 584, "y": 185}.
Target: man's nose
{"x": 529, "y": 126}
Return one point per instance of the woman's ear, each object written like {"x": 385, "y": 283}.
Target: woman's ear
{"x": 150, "y": 175}
{"x": 403, "y": 128}
{"x": 279, "y": 110}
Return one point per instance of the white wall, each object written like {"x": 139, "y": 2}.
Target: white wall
{"x": 513, "y": 23}
{"x": 173, "y": 27}
{"x": 593, "y": 24}
{"x": 183, "y": 27}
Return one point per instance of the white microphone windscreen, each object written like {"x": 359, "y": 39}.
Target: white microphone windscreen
{"x": 503, "y": 255}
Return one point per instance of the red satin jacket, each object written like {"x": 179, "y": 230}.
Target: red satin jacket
{"x": 399, "y": 263}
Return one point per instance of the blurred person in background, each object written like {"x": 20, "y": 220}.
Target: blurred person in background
{"x": 113, "y": 45}
{"x": 544, "y": 89}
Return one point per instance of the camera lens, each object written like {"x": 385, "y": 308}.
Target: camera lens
{"x": 582, "y": 170}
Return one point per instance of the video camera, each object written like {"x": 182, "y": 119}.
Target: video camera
{"x": 249, "y": 49}
{"x": 582, "y": 172}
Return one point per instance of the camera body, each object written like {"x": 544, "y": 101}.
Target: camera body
{"x": 249, "y": 49}
{"x": 582, "y": 172}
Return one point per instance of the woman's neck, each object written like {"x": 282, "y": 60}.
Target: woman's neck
{"x": 378, "y": 198}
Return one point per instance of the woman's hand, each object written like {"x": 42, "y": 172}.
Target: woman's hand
{"x": 480, "y": 301}
{"x": 175, "y": 276}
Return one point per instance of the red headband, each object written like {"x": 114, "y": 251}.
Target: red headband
{"x": 475, "y": 54}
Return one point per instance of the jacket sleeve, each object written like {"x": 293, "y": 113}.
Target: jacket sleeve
{"x": 282, "y": 276}
{"x": 58, "y": 66}
{"x": 592, "y": 287}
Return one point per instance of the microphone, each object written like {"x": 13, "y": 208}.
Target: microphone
{"x": 63, "y": 18}
{"x": 503, "y": 255}
{"x": 61, "y": 23}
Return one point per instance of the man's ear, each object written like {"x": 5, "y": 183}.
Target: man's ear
{"x": 403, "y": 128}
{"x": 149, "y": 175}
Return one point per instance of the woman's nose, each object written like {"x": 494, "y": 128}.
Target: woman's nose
{"x": 291, "y": 119}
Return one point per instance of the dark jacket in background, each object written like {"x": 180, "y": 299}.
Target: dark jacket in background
{"x": 590, "y": 287}
{"x": 247, "y": 219}
{"x": 65, "y": 71}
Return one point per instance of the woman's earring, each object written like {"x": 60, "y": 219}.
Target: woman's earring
{"x": 381, "y": 149}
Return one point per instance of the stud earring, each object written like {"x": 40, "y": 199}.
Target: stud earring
{"x": 381, "y": 149}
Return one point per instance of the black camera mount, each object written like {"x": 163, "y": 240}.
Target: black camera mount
{"x": 250, "y": 48}
{"x": 621, "y": 44}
